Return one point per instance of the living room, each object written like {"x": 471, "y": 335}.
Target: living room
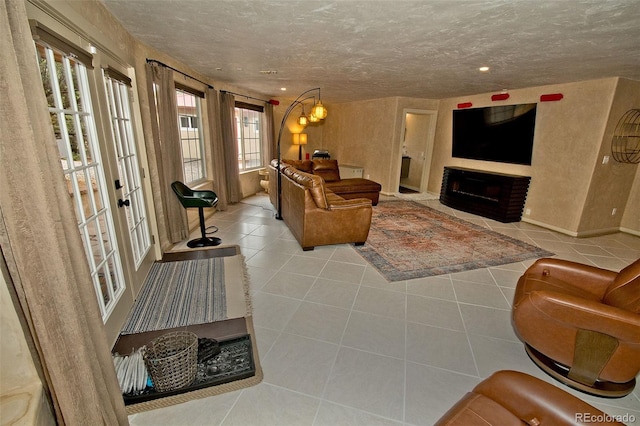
{"x": 573, "y": 191}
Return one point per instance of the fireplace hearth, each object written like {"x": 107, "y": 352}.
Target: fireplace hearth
{"x": 496, "y": 196}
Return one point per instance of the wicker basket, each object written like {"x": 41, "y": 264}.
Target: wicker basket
{"x": 172, "y": 360}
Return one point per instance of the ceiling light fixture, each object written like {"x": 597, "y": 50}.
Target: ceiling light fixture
{"x": 483, "y": 69}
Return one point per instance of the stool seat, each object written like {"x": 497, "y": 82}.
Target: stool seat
{"x": 190, "y": 198}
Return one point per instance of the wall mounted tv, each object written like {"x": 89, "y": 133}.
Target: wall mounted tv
{"x": 498, "y": 133}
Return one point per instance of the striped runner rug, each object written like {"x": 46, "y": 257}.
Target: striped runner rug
{"x": 177, "y": 294}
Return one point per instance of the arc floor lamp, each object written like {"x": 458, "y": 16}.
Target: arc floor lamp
{"x": 318, "y": 113}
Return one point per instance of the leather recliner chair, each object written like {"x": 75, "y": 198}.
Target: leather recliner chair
{"x": 581, "y": 324}
{"x": 514, "y": 398}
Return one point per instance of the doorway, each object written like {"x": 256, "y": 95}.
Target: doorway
{"x": 94, "y": 152}
{"x": 416, "y": 146}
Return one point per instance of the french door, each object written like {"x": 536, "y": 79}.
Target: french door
{"x": 100, "y": 167}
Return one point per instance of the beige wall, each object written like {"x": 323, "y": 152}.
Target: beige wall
{"x": 566, "y": 171}
{"x": 22, "y": 399}
{"x": 631, "y": 217}
{"x": 611, "y": 183}
{"x": 369, "y": 134}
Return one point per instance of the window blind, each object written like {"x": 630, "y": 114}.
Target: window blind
{"x": 116, "y": 75}
{"x": 191, "y": 90}
{"x": 252, "y": 107}
{"x": 48, "y": 37}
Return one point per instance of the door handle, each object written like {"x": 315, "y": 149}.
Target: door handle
{"x": 122, "y": 202}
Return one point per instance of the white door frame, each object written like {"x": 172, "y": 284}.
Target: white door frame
{"x": 428, "y": 149}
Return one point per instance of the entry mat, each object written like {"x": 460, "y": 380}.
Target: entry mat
{"x": 234, "y": 362}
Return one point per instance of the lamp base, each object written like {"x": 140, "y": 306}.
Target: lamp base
{"x": 204, "y": 242}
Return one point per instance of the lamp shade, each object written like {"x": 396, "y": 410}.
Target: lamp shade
{"x": 303, "y": 120}
{"x": 299, "y": 138}
{"x": 313, "y": 118}
{"x": 319, "y": 110}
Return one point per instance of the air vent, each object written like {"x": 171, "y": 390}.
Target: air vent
{"x": 268, "y": 72}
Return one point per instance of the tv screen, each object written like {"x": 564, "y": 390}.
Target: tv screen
{"x": 497, "y": 133}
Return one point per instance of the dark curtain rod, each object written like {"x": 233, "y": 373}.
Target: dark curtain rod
{"x": 178, "y": 71}
{"x": 270, "y": 101}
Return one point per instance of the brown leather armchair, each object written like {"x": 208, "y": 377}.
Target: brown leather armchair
{"x": 581, "y": 324}
{"x": 514, "y": 398}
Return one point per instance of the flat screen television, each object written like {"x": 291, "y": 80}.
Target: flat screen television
{"x": 498, "y": 133}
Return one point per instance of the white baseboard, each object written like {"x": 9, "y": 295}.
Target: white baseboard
{"x": 583, "y": 234}
{"x": 551, "y": 227}
{"x": 630, "y": 231}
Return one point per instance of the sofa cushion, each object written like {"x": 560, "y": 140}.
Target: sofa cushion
{"x": 327, "y": 169}
{"x": 303, "y": 165}
{"x": 352, "y": 185}
{"x": 315, "y": 184}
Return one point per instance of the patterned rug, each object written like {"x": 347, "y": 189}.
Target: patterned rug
{"x": 188, "y": 292}
{"x": 178, "y": 294}
{"x": 409, "y": 240}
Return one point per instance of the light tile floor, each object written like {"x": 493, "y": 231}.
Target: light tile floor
{"x": 340, "y": 345}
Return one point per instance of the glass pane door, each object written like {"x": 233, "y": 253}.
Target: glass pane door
{"x": 128, "y": 168}
{"x": 66, "y": 87}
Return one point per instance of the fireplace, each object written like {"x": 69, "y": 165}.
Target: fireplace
{"x": 496, "y": 196}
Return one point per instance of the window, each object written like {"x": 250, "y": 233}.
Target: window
{"x": 189, "y": 121}
{"x": 66, "y": 86}
{"x": 249, "y": 130}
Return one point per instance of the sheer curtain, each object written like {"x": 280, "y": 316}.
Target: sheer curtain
{"x": 172, "y": 217}
{"x": 230, "y": 145}
{"x": 217, "y": 148}
{"x": 42, "y": 256}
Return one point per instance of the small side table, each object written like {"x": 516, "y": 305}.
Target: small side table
{"x": 264, "y": 182}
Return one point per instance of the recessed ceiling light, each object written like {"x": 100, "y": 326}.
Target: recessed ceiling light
{"x": 483, "y": 69}
{"x": 283, "y": 89}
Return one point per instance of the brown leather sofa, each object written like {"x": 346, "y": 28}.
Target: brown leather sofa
{"x": 316, "y": 215}
{"x": 514, "y": 398}
{"x": 581, "y": 324}
{"x": 346, "y": 188}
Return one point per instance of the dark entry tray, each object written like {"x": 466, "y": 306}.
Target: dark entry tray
{"x": 234, "y": 362}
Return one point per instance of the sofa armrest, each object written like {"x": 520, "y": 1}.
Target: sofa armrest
{"x": 591, "y": 278}
{"x": 346, "y": 204}
{"x": 576, "y": 312}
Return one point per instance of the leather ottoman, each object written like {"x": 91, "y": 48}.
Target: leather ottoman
{"x": 514, "y": 398}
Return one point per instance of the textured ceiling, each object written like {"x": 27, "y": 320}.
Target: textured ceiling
{"x": 370, "y": 49}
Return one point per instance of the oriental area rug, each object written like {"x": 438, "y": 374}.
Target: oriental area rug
{"x": 408, "y": 240}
